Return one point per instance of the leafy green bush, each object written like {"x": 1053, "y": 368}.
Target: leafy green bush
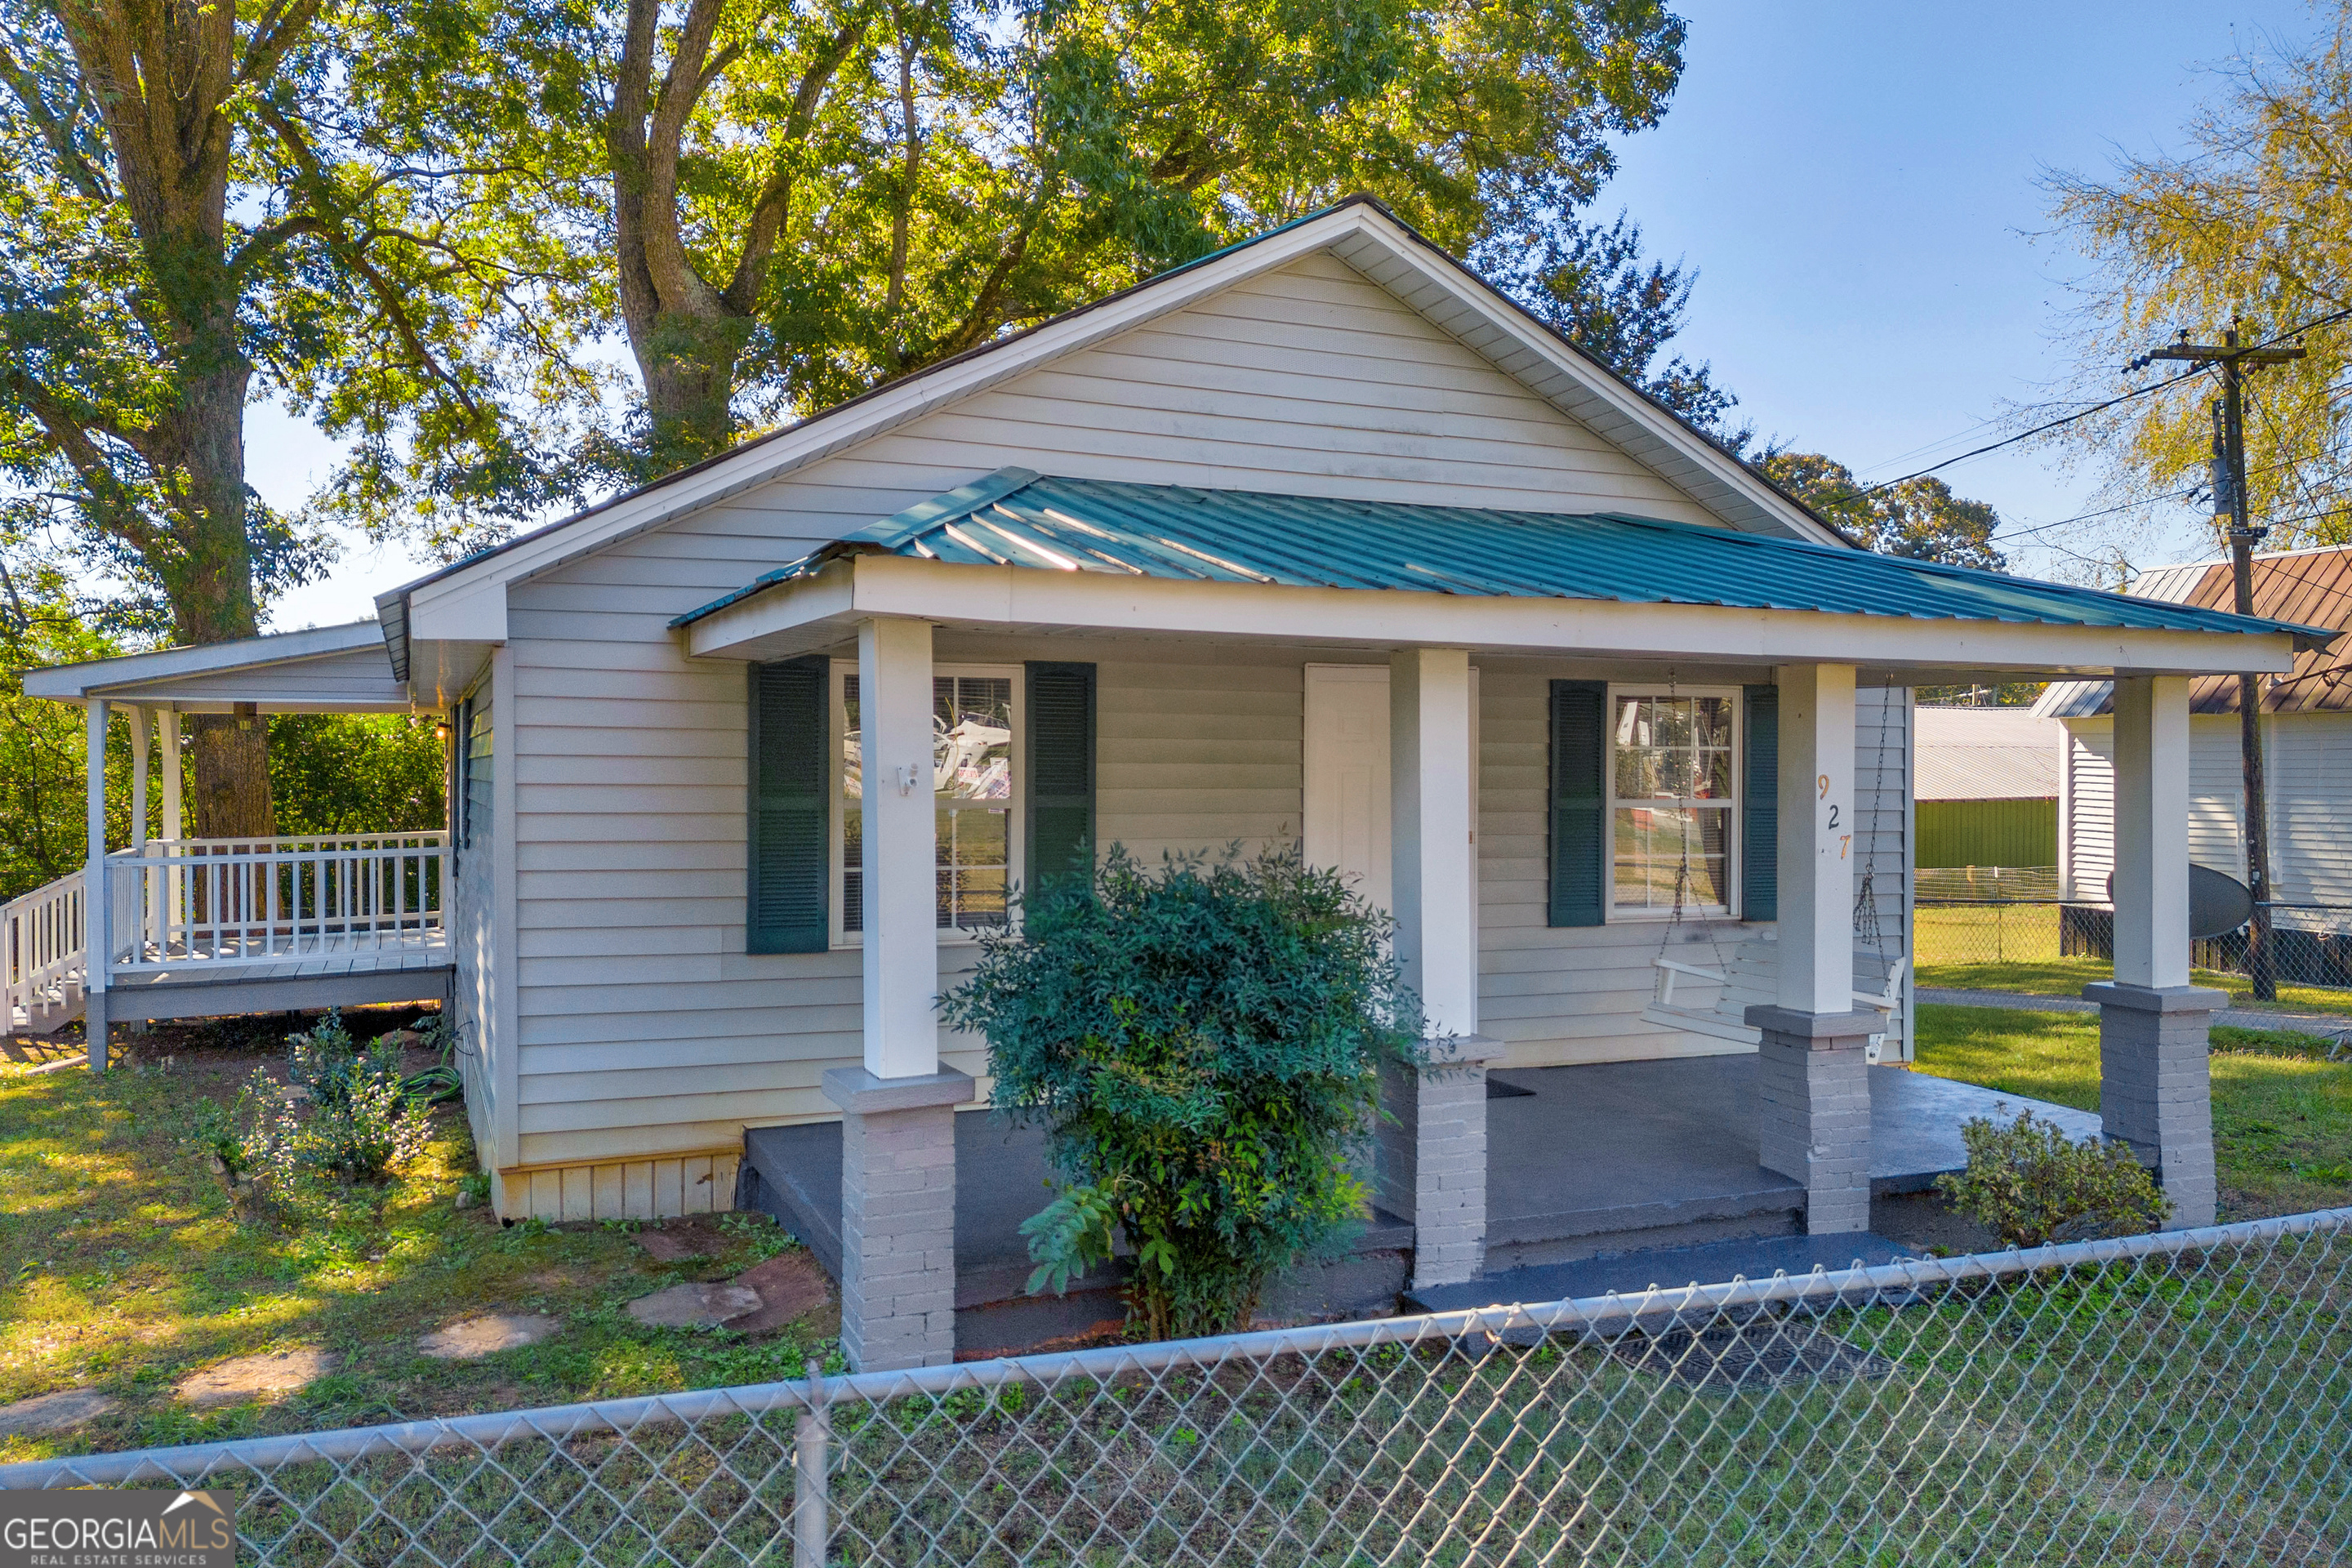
{"x": 2030, "y": 1184}
{"x": 1202, "y": 1045}
{"x": 366, "y": 1120}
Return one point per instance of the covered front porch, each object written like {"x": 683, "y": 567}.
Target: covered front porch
{"x": 186, "y": 927}
{"x": 1611, "y": 1176}
{"x": 1516, "y": 823}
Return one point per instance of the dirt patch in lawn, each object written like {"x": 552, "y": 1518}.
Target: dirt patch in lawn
{"x": 127, "y": 1275}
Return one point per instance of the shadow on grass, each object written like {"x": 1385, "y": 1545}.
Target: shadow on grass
{"x": 127, "y": 1272}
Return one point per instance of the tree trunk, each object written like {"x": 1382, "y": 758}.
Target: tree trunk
{"x": 208, "y": 573}
{"x": 162, "y": 78}
{"x": 688, "y": 361}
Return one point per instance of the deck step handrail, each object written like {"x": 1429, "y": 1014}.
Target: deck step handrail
{"x": 177, "y": 905}
{"x": 41, "y": 948}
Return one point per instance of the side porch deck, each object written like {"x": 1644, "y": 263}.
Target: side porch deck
{"x": 1605, "y": 1170}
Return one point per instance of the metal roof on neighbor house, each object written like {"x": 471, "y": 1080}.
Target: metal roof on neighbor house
{"x": 2310, "y": 587}
{"x": 1016, "y": 518}
{"x": 1984, "y": 754}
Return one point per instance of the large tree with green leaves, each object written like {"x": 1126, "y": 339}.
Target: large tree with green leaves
{"x": 1919, "y": 518}
{"x": 206, "y": 204}
{"x": 1595, "y": 284}
{"x": 780, "y": 203}
{"x": 2249, "y": 224}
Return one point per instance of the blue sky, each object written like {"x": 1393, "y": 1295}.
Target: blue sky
{"x": 1856, "y": 184}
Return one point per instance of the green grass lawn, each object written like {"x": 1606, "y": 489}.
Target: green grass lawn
{"x": 124, "y": 1271}
{"x": 2055, "y": 976}
{"x": 1997, "y": 947}
{"x": 2282, "y": 1113}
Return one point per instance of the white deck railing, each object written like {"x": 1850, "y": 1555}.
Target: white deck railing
{"x": 41, "y": 948}
{"x": 241, "y": 903}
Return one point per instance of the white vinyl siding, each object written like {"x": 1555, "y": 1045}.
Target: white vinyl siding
{"x": 472, "y": 923}
{"x": 641, "y": 1025}
{"x": 2308, "y": 759}
{"x": 2090, "y": 827}
{"x": 2217, "y": 795}
{"x": 2308, "y": 768}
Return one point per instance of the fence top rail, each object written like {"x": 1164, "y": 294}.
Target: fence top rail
{"x": 1612, "y": 1313}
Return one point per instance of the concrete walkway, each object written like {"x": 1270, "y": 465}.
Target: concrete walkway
{"x": 2322, "y": 1024}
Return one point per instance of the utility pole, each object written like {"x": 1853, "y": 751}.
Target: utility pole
{"x": 2231, "y": 514}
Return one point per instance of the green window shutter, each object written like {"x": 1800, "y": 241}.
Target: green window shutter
{"x": 1760, "y": 822}
{"x": 1059, "y": 715}
{"x": 1579, "y": 801}
{"x": 791, "y": 808}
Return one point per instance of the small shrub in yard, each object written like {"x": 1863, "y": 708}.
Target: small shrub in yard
{"x": 1203, "y": 1046}
{"x": 2030, "y": 1184}
{"x": 361, "y": 1122}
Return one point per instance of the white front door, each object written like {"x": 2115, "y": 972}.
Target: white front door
{"x": 1347, "y": 805}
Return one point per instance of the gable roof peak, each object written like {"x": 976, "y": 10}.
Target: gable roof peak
{"x": 1359, "y": 229}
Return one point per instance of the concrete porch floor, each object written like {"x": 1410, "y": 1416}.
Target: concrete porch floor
{"x": 1585, "y": 1163}
{"x": 1663, "y": 1154}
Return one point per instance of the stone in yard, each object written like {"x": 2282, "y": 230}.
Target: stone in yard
{"x": 57, "y": 1412}
{"x": 789, "y": 1288}
{"x": 694, "y": 1306}
{"x": 251, "y": 1377}
{"x": 679, "y": 1246}
{"x": 470, "y": 1338}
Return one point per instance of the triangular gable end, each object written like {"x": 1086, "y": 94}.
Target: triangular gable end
{"x": 467, "y": 600}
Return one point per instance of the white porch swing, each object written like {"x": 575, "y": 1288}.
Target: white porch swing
{"x": 1749, "y": 974}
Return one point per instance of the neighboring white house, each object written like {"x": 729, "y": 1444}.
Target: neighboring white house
{"x": 2307, "y": 735}
{"x": 1319, "y": 538}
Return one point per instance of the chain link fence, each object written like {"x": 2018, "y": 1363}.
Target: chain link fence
{"x": 1976, "y": 916}
{"x": 2178, "y": 1399}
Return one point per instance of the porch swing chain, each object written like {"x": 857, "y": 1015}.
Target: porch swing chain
{"x": 1866, "y": 925}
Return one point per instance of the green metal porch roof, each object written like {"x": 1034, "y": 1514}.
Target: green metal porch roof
{"x": 1017, "y": 518}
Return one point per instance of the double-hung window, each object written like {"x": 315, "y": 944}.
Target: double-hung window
{"x": 1674, "y": 781}
{"x": 975, "y": 787}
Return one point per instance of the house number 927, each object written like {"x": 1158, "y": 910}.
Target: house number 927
{"x": 1846, "y": 840}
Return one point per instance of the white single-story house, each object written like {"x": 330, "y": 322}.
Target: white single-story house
{"x": 2306, "y": 727}
{"x": 1320, "y": 539}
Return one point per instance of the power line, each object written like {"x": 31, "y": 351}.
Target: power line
{"x": 2029, "y": 435}
{"x": 2063, "y": 420}
{"x": 2180, "y": 494}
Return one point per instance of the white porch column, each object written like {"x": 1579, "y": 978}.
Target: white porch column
{"x": 97, "y": 942}
{"x": 2155, "y": 1091}
{"x": 1812, "y": 1073}
{"x": 900, "y": 848}
{"x": 138, "y": 716}
{"x": 167, "y": 725}
{"x": 897, "y": 1120}
{"x": 1432, "y": 1156}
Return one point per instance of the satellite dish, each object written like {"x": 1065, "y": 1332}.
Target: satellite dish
{"x": 2218, "y": 904}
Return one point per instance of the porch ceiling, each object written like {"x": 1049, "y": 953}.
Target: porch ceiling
{"x": 1015, "y": 549}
